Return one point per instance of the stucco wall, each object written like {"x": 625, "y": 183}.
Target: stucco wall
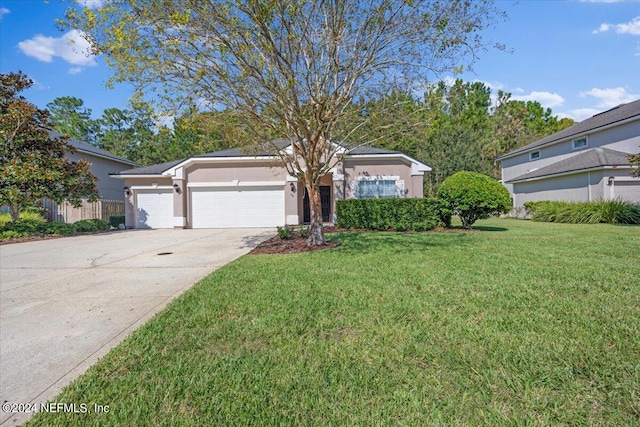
{"x": 129, "y": 202}
{"x": 354, "y": 168}
{"x": 226, "y": 172}
{"x": 109, "y": 188}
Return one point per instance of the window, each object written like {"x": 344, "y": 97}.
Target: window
{"x": 579, "y": 143}
{"x": 376, "y": 189}
{"x": 534, "y": 155}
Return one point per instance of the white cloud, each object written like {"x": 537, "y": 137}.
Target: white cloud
{"x": 75, "y": 70}
{"x": 73, "y": 47}
{"x": 580, "y": 114}
{"x": 609, "y": 98}
{"x": 546, "y": 99}
{"x": 3, "y": 11}
{"x": 632, "y": 27}
{"x": 91, "y": 4}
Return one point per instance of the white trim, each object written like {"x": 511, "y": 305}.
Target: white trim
{"x": 538, "y": 178}
{"x": 586, "y": 143}
{"x": 337, "y": 177}
{"x": 293, "y": 220}
{"x": 378, "y": 178}
{"x": 193, "y": 160}
{"x": 236, "y": 183}
{"x": 420, "y": 167}
{"x": 157, "y": 176}
{"x": 291, "y": 178}
{"x": 179, "y": 221}
{"x": 151, "y": 187}
{"x": 625, "y": 179}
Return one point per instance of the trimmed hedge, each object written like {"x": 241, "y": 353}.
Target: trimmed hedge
{"x": 38, "y": 227}
{"x": 610, "y": 212}
{"x": 392, "y": 214}
{"x": 116, "y": 220}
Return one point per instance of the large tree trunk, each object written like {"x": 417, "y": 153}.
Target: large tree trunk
{"x": 316, "y": 237}
{"x": 15, "y": 211}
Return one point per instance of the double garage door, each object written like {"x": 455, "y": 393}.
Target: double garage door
{"x": 237, "y": 207}
{"x": 214, "y": 207}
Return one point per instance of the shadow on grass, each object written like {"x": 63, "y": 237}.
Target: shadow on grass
{"x": 486, "y": 228}
{"x": 363, "y": 242}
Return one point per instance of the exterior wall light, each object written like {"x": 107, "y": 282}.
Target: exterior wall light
{"x": 127, "y": 192}
{"x": 177, "y": 188}
{"x": 612, "y": 179}
{"x": 293, "y": 187}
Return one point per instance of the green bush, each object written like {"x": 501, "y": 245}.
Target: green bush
{"x": 26, "y": 226}
{"x": 305, "y": 231}
{"x": 27, "y": 214}
{"x": 473, "y": 196}
{"x": 392, "y": 214}
{"x": 116, "y": 220}
{"x": 91, "y": 225}
{"x": 610, "y": 212}
{"x": 284, "y": 232}
{"x": 60, "y": 228}
{"x": 4, "y": 235}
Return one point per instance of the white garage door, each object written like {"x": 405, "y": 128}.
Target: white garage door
{"x": 154, "y": 209}
{"x": 237, "y": 207}
{"x": 627, "y": 190}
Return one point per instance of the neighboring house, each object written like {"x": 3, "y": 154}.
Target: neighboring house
{"x": 230, "y": 188}
{"x": 103, "y": 163}
{"x": 585, "y": 162}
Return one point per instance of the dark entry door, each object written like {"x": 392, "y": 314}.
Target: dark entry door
{"x": 325, "y": 204}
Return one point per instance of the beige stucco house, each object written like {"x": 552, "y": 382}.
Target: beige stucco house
{"x": 230, "y": 188}
{"x": 585, "y": 162}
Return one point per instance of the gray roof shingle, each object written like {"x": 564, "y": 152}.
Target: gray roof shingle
{"x": 614, "y": 115}
{"x": 594, "y": 158}
{"x": 151, "y": 170}
{"x": 92, "y": 149}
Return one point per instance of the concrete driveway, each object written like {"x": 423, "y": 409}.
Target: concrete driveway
{"x": 65, "y": 302}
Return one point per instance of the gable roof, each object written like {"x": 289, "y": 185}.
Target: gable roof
{"x": 590, "y": 159}
{"x": 83, "y": 147}
{"x": 162, "y": 168}
{"x": 610, "y": 117}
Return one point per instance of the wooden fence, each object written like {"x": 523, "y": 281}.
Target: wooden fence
{"x": 65, "y": 212}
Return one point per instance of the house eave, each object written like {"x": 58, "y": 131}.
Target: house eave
{"x": 567, "y": 138}
{"x": 573, "y": 172}
{"x": 117, "y": 176}
{"x": 194, "y": 160}
{"x": 419, "y": 166}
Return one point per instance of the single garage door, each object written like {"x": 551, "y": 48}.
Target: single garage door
{"x": 237, "y": 207}
{"x": 627, "y": 190}
{"x": 154, "y": 209}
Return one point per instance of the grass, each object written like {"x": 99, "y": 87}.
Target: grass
{"x": 520, "y": 324}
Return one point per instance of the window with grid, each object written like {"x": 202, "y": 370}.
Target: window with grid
{"x": 377, "y": 189}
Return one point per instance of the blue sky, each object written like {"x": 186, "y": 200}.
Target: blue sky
{"x": 576, "y": 57}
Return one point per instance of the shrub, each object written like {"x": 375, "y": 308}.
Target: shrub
{"x": 473, "y": 196}
{"x": 116, "y": 220}
{"x": 91, "y": 225}
{"x": 284, "y": 232}
{"x": 60, "y": 228}
{"x": 26, "y": 226}
{"x": 27, "y": 214}
{"x": 305, "y": 231}
{"x": 611, "y": 212}
{"x": 392, "y": 214}
{"x": 4, "y": 235}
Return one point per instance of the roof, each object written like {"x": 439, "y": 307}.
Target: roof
{"x": 617, "y": 114}
{"x": 159, "y": 169}
{"x": 151, "y": 170}
{"x": 91, "y": 149}
{"x": 590, "y": 159}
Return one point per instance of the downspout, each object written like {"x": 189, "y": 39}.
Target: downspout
{"x": 589, "y": 185}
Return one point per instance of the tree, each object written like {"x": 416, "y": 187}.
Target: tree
{"x": 287, "y": 68}
{"x": 473, "y": 196}
{"x": 634, "y": 160}
{"x": 72, "y": 119}
{"x": 33, "y": 164}
{"x": 122, "y": 132}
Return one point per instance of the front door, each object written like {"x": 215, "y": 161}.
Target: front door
{"x": 325, "y": 204}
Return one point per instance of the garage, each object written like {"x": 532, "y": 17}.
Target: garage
{"x": 237, "y": 207}
{"x": 154, "y": 208}
{"x": 627, "y": 190}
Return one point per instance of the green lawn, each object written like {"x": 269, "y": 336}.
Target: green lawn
{"x": 521, "y": 323}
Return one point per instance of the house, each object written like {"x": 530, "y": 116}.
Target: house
{"x": 231, "y": 188}
{"x": 585, "y": 162}
{"x": 103, "y": 163}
